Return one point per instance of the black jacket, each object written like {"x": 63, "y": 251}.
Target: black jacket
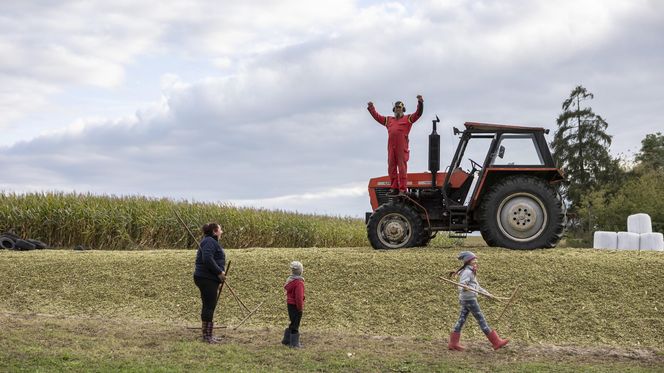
{"x": 210, "y": 259}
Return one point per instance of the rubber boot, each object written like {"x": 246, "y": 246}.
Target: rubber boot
{"x": 209, "y": 328}
{"x": 286, "y": 339}
{"x": 295, "y": 340}
{"x": 215, "y": 339}
{"x": 454, "y": 342}
{"x": 496, "y": 341}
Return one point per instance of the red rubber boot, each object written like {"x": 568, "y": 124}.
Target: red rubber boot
{"x": 454, "y": 342}
{"x": 496, "y": 341}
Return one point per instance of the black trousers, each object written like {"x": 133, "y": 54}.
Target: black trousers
{"x": 295, "y": 316}
{"x": 208, "y": 290}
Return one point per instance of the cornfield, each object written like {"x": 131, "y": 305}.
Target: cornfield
{"x": 136, "y": 222}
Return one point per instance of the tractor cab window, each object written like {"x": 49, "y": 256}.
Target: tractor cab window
{"x": 517, "y": 150}
{"x": 475, "y": 151}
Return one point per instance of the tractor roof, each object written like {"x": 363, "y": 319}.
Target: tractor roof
{"x": 490, "y": 127}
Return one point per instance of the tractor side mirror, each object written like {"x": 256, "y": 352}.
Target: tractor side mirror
{"x": 501, "y": 152}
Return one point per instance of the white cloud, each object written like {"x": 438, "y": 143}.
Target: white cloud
{"x": 282, "y": 122}
{"x": 333, "y": 201}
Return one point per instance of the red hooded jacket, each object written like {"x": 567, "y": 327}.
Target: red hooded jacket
{"x": 295, "y": 293}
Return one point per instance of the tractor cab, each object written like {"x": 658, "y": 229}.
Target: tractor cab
{"x": 501, "y": 181}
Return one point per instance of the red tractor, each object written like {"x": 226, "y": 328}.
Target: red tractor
{"x": 510, "y": 197}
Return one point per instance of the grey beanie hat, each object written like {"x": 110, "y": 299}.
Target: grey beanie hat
{"x": 466, "y": 256}
{"x": 297, "y": 268}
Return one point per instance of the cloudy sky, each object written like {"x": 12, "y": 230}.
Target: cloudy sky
{"x": 263, "y": 103}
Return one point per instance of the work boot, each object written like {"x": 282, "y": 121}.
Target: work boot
{"x": 286, "y": 339}
{"x": 393, "y": 192}
{"x": 295, "y": 340}
{"x": 496, "y": 341}
{"x": 454, "y": 342}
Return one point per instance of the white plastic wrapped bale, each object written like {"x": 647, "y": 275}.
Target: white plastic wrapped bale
{"x": 652, "y": 241}
{"x": 639, "y": 223}
{"x": 628, "y": 241}
{"x": 605, "y": 240}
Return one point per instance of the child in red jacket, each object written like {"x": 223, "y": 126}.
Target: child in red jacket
{"x": 295, "y": 301}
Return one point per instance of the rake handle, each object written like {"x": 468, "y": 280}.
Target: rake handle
{"x": 499, "y": 299}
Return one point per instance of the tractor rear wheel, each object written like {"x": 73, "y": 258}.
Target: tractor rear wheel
{"x": 394, "y": 226}
{"x": 522, "y": 212}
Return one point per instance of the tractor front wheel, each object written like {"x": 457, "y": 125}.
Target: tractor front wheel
{"x": 522, "y": 212}
{"x": 394, "y": 226}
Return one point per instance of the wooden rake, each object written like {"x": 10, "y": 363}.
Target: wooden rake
{"x": 490, "y": 296}
{"x": 247, "y": 312}
{"x": 509, "y": 300}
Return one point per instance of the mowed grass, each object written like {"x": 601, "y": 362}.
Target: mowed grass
{"x": 388, "y": 309}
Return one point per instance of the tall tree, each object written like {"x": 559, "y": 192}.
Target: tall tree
{"x": 651, "y": 156}
{"x": 580, "y": 146}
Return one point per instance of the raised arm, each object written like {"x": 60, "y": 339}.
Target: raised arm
{"x": 412, "y": 118}
{"x": 379, "y": 118}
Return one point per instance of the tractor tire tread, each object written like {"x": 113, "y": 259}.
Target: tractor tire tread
{"x": 551, "y": 235}
{"x": 417, "y": 225}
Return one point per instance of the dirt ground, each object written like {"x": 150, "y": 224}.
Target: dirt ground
{"x": 35, "y": 340}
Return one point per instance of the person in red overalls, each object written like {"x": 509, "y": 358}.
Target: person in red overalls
{"x": 398, "y": 128}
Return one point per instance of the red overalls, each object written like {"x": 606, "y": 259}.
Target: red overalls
{"x": 397, "y": 144}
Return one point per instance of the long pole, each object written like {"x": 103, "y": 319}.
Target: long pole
{"x": 508, "y": 303}
{"x": 251, "y": 313}
{"x": 186, "y": 227}
{"x": 500, "y": 299}
{"x": 221, "y": 286}
{"x": 239, "y": 301}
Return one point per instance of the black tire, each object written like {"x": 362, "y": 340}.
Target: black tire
{"x": 7, "y": 243}
{"x": 24, "y": 245}
{"x": 394, "y": 225}
{"x": 424, "y": 240}
{"x": 12, "y": 236}
{"x": 38, "y": 244}
{"x": 522, "y": 212}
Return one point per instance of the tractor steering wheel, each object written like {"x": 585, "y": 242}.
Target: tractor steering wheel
{"x": 476, "y": 166}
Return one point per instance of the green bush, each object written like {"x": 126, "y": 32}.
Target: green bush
{"x": 642, "y": 193}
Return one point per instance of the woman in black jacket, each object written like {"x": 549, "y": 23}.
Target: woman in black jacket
{"x": 208, "y": 275}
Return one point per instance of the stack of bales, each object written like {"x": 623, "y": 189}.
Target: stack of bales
{"x": 639, "y": 236}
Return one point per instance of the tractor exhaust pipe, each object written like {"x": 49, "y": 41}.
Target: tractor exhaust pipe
{"x": 434, "y": 152}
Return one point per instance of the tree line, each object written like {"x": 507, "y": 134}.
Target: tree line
{"x": 601, "y": 190}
